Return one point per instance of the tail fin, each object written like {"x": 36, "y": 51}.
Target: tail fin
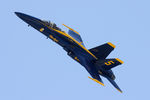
{"x": 75, "y": 35}
{"x": 102, "y": 51}
{"x": 109, "y": 63}
{"x": 114, "y": 84}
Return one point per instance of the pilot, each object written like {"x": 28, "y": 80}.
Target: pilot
{"x": 54, "y": 25}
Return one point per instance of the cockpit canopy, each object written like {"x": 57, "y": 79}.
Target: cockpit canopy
{"x": 52, "y": 25}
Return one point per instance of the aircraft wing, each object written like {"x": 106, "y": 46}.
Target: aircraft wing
{"x": 114, "y": 84}
{"x": 92, "y": 71}
{"x": 97, "y": 80}
{"x": 75, "y": 35}
{"x": 95, "y": 76}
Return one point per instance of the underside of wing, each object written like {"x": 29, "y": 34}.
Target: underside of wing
{"x": 74, "y": 34}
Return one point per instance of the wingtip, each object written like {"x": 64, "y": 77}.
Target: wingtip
{"x": 96, "y": 81}
{"x": 101, "y": 83}
{"x": 112, "y": 45}
{"x": 119, "y": 60}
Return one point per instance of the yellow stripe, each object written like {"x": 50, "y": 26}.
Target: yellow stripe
{"x": 119, "y": 60}
{"x": 96, "y": 81}
{"x": 71, "y": 29}
{"x": 75, "y": 41}
{"x": 65, "y": 34}
{"x": 111, "y": 44}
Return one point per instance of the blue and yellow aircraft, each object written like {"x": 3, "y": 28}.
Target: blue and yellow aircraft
{"x": 94, "y": 60}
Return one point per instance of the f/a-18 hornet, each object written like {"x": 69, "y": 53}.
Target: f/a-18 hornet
{"x": 94, "y": 60}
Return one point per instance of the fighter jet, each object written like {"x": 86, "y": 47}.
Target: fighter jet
{"x": 94, "y": 59}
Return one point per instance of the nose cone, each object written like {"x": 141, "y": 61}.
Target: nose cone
{"x": 32, "y": 21}
{"x": 24, "y": 17}
{"x": 28, "y": 19}
{"x": 18, "y": 14}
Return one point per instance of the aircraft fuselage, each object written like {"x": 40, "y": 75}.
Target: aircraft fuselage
{"x": 73, "y": 48}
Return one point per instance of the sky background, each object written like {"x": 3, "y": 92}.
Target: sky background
{"x": 35, "y": 68}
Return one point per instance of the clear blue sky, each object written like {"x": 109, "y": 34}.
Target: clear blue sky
{"x": 35, "y": 68}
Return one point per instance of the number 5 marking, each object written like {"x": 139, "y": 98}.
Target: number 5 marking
{"x": 109, "y": 63}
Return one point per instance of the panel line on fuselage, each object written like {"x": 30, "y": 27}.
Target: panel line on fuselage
{"x": 65, "y": 34}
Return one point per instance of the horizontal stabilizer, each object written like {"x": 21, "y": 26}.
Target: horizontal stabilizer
{"x": 109, "y": 63}
{"x": 103, "y": 51}
{"x": 98, "y": 81}
{"x": 114, "y": 84}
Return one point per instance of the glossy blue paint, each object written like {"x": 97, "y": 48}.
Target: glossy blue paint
{"x": 95, "y": 67}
